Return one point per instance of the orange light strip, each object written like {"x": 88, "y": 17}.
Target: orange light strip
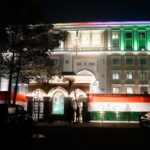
{"x": 118, "y": 98}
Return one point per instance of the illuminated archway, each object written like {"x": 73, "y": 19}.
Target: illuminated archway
{"x": 86, "y": 76}
{"x": 77, "y": 93}
{"x": 54, "y": 90}
{"x": 38, "y": 93}
{"x": 38, "y": 104}
{"x": 58, "y": 103}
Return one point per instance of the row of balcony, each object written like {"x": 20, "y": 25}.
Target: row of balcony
{"x": 97, "y": 49}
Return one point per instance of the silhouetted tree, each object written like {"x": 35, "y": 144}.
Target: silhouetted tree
{"x": 25, "y": 51}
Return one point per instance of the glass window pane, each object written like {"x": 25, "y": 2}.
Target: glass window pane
{"x": 116, "y": 61}
{"x": 129, "y": 61}
{"x": 129, "y": 90}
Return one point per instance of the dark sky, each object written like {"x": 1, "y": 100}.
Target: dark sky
{"x": 55, "y": 11}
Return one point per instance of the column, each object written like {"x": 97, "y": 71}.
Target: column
{"x": 109, "y": 44}
{"x": 135, "y": 39}
{"x": 148, "y": 39}
{"x": 122, "y": 40}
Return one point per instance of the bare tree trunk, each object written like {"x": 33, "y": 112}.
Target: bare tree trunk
{"x": 17, "y": 81}
{"x": 8, "y": 99}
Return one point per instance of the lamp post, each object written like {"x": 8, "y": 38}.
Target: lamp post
{"x": 141, "y": 76}
{"x": 142, "y": 63}
{"x": 76, "y": 42}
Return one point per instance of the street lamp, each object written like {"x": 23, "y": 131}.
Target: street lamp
{"x": 76, "y": 42}
{"x": 142, "y": 63}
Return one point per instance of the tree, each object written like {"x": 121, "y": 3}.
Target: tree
{"x": 26, "y": 51}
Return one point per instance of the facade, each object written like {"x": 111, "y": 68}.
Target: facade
{"x": 107, "y": 58}
{"x": 115, "y": 53}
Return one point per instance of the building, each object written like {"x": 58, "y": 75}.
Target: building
{"x": 106, "y": 57}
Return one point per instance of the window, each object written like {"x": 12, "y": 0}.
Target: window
{"x": 116, "y": 61}
{"x": 85, "y": 38}
{"x": 55, "y": 62}
{"x": 115, "y": 35}
{"x": 129, "y": 60}
{"x": 141, "y": 35}
{"x": 79, "y": 64}
{"x": 116, "y": 90}
{"x": 143, "y": 74}
{"x": 91, "y": 63}
{"x": 142, "y": 60}
{"x": 129, "y": 75}
{"x": 71, "y": 39}
{"x": 115, "y": 75}
{"x": 128, "y": 35}
{"x": 142, "y": 41}
{"x": 115, "y": 39}
{"x": 95, "y": 42}
{"x": 129, "y": 90}
{"x": 128, "y": 40}
{"x": 143, "y": 90}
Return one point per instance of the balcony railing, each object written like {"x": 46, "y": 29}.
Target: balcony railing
{"x": 89, "y": 49}
{"x": 73, "y": 49}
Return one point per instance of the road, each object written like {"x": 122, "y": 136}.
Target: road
{"x": 86, "y": 137}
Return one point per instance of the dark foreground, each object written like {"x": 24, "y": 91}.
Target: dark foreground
{"x": 82, "y": 137}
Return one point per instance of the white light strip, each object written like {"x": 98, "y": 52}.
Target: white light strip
{"x": 118, "y": 107}
{"x": 99, "y": 52}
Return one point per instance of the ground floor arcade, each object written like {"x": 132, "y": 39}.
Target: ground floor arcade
{"x": 81, "y": 106}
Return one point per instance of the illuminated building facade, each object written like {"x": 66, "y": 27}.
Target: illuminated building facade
{"x": 116, "y": 54}
{"x": 112, "y": 58}
{"x": 107, "y": 58}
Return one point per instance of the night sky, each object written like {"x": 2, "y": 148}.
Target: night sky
{"x": 56, "y": 11}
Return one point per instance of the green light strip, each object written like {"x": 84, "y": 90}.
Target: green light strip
{"x": 122, "y": 40}
{"x": 135, "y": 46}
{"x": 148, "y": 40}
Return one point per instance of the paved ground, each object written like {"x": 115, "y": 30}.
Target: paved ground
{"x": 102, "y": 135}
{"x": 90, "y": 124}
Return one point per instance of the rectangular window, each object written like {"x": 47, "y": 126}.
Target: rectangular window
{"x": 143, "y": 90}
{"x": 116, "y": 90}
{"x": 85, "y": 38}
{"x": 96, "y": 38}
{"x": 128, "y": 40}
{"x": 129, "y": 75}
{"x": 71, "y": 43}
{"x": 79, "y": 63}
{"x": 142, "y": 41}
{"x": 129, "y": 90}
{"x": 142, "y": 60}
{"x": 141, "y": 35}
{"x": 91, "y": 63}
{"x": 143, "y": 74}
{"x": 115, "y": 75}
{"x": 128, "y": 35}
{"x": 116, "y": 61}
{"x": 54, "y": 61}
{"x": 129, "y": 60}
{"x": 115, "y": 39}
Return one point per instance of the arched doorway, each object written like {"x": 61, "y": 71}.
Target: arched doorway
{"x": 86, "y": 76}
{"x": 58, "y": 103}
{"x": 38, "y": 104}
